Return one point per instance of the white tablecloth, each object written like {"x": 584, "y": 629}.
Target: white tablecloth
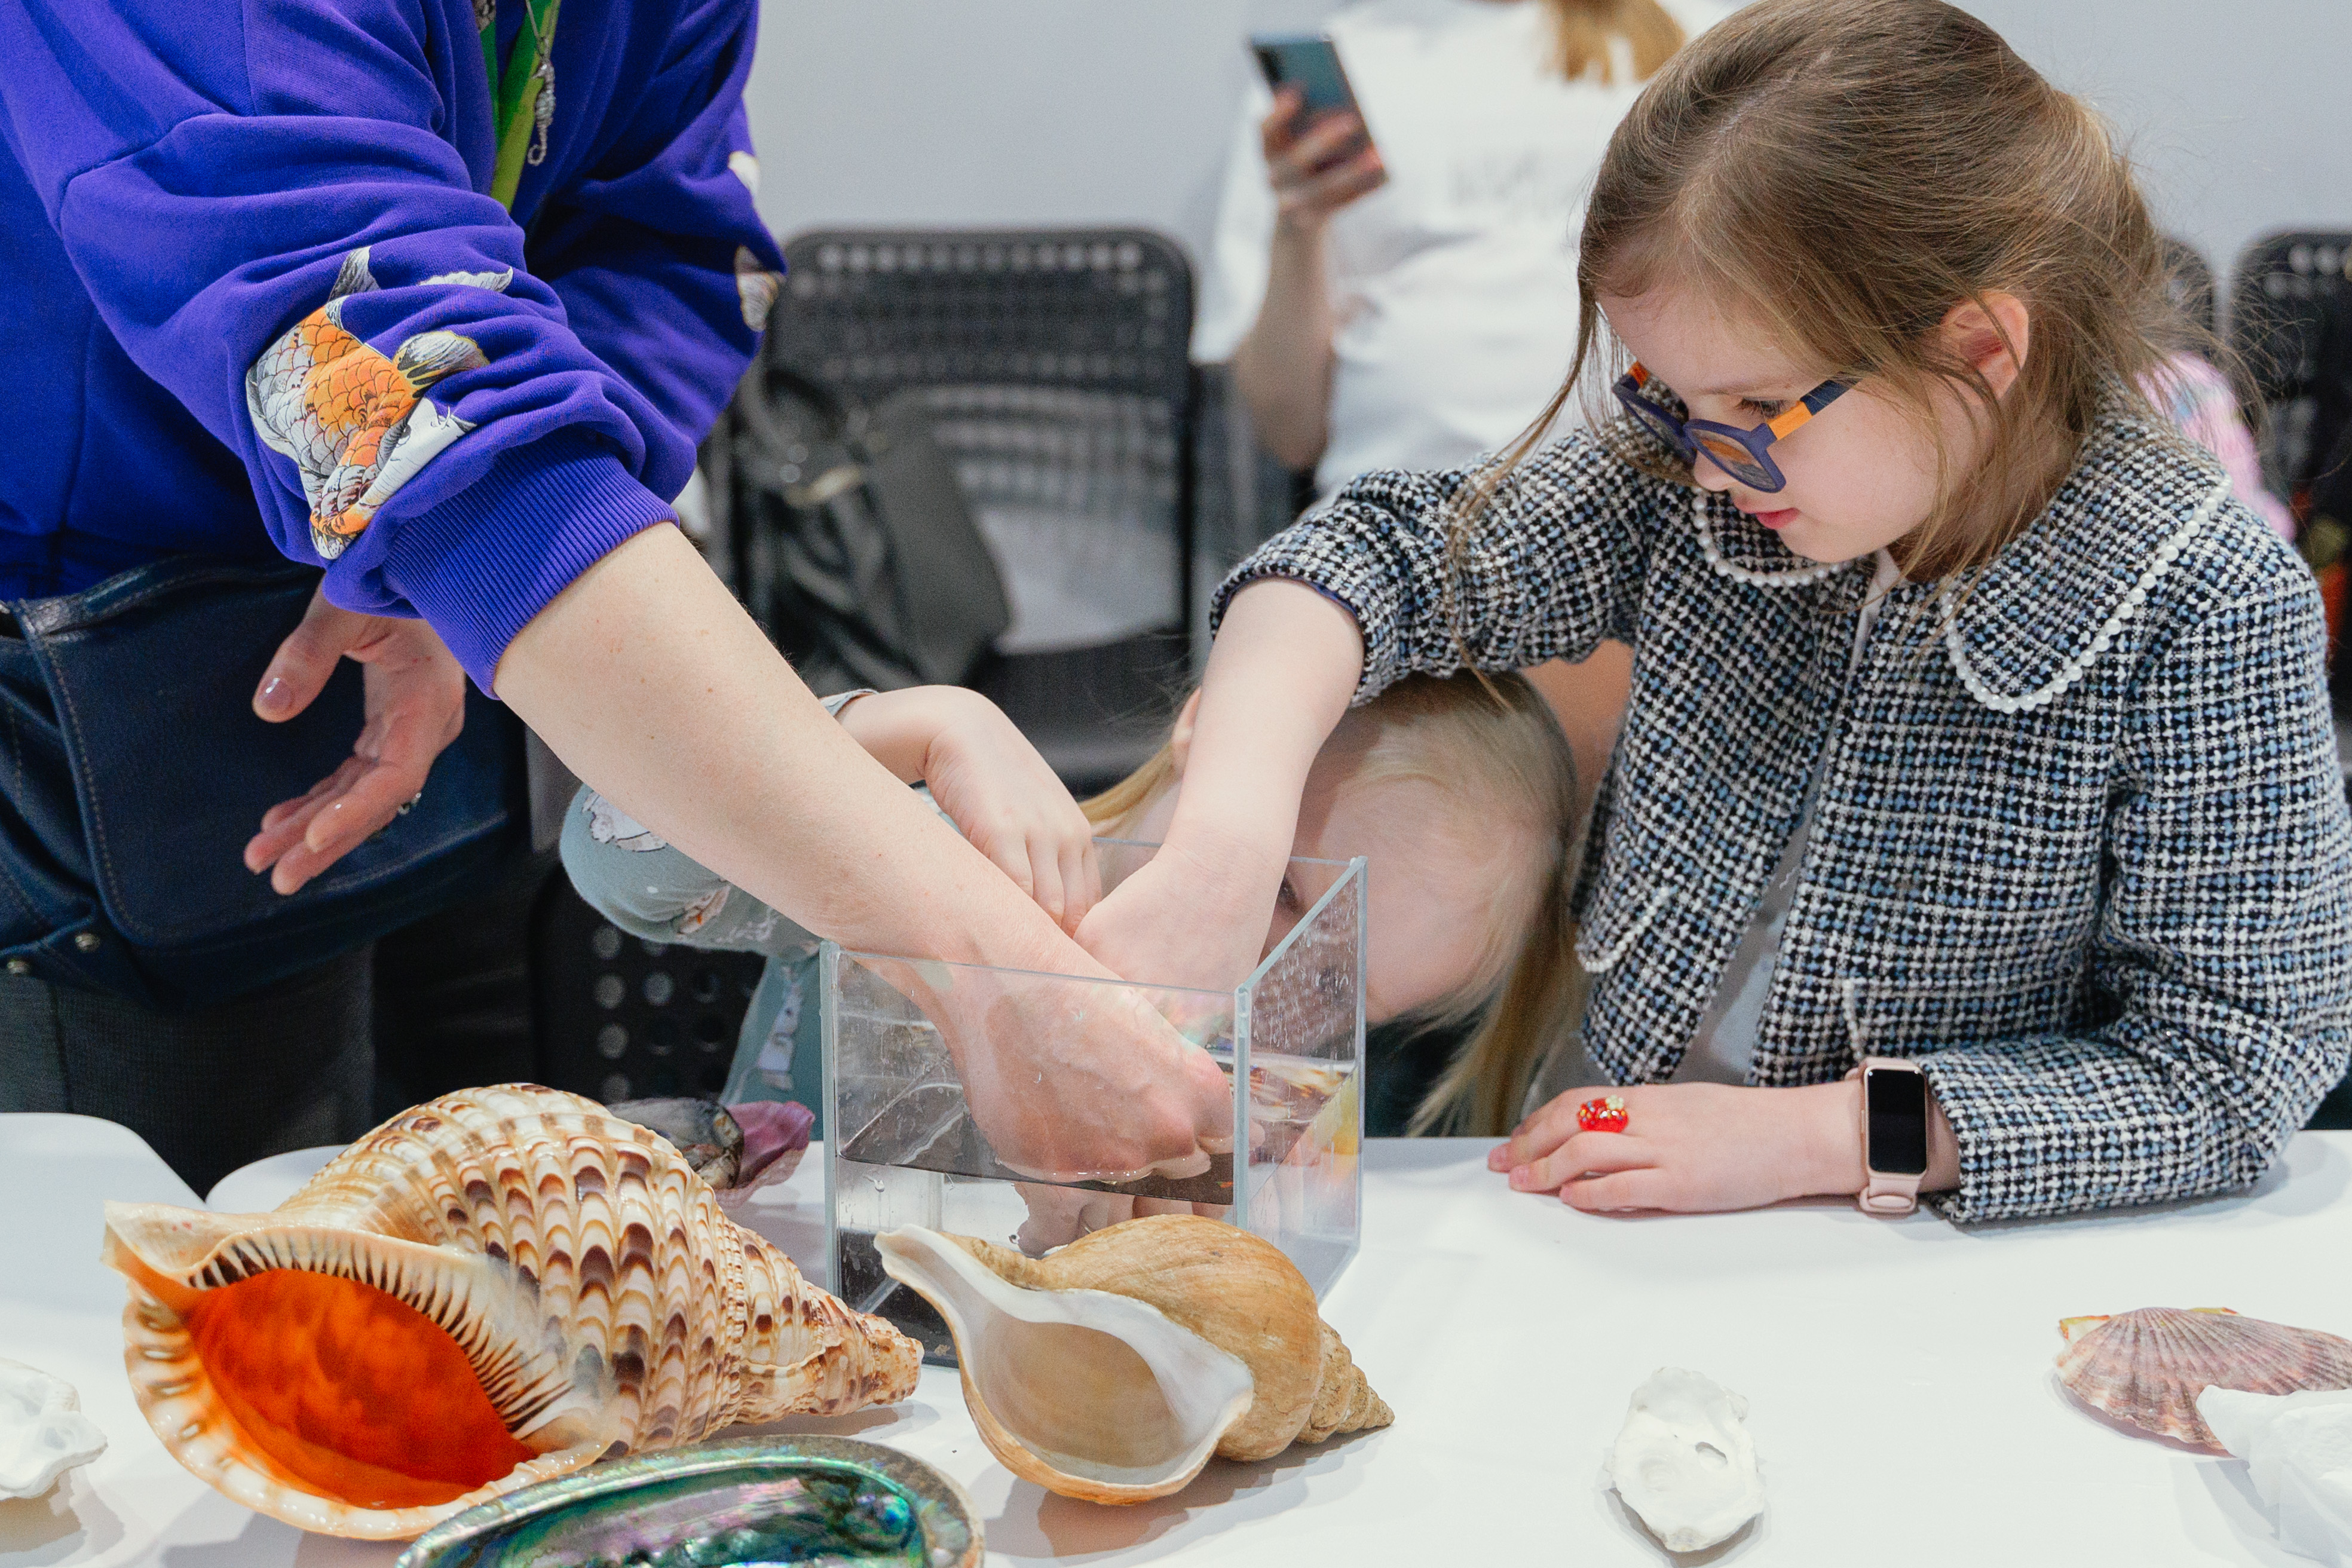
{"x": 1898, "y": 1376}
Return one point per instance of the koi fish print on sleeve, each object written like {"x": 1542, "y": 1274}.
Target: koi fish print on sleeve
{"x": 357, "y": 422}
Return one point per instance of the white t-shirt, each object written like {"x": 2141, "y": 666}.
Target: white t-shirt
{"x": 1453, "y": 285}
{"x": 1724, "y": 1049}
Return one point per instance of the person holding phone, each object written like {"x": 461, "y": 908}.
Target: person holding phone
{"x": 1395, "y": 286}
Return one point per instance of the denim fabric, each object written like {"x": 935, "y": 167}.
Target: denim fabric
{"x": 132, "y": 771}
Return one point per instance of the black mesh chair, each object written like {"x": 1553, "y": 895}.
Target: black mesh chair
{"x": 617, "y": 1018}
{"x": 1054, "y": 365}
{"x": 2291, "y": 323}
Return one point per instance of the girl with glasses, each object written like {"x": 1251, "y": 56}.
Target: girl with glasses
{"x": 1976, "y": 730}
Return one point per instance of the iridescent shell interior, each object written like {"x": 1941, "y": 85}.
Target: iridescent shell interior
{"x": 828, "y": 1500}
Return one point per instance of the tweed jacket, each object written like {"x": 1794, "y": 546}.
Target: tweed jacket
{"x": 2080, "y": 846}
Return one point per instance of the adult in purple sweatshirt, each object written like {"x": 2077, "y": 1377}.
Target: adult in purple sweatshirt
{"x": 255, "y": 294}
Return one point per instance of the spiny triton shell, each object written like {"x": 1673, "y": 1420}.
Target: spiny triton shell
{"x": 1111, "y": 1369}
{"x": 2147, "y": 1367}
{"x": 497, "y": 1287}
{"x": 832, "y": 1501}
{"x": 43, "y": 1433}
{"x": 1684, "y": 1460}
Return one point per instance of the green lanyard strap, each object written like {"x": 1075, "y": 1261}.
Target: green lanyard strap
{"x": 523, "y": 99}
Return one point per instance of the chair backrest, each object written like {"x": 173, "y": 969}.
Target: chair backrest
{"x": 1054, "y": 366}
{"x": 618, "y": 1018}
{"x": 2291, "y": 323}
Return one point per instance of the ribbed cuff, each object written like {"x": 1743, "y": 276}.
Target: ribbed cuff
{"x": 479, "y": 565}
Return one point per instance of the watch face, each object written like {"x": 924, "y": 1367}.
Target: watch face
{"x": 1897, "y": 1105}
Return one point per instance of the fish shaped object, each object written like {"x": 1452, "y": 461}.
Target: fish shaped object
{"x": 356, "y": 421}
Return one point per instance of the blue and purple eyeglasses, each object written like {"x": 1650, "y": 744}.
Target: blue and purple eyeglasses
{"x": 1740, "y": 453}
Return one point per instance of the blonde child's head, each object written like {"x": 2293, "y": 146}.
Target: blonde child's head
{"x": 1878, "y": 192}
{"x": 1462, "y": 795}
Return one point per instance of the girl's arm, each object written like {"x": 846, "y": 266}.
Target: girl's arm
{"x": 1338, "y": 607}
{"x": 987, "y": 778}
{"x": 652, "y": 684}
{"x": 2228, "y": 937}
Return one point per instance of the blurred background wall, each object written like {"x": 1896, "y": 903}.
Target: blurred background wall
{"x": 1021, "y": 112}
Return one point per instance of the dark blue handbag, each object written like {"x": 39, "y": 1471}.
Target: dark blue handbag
{"x": 131, "y": 798}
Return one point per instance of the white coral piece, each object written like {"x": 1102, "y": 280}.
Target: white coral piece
{"x": 1685, "y": 1462}
{"x": 43, "y": 1433}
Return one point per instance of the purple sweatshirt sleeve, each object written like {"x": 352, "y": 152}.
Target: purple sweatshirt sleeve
{"x": 666, "y": 228}
{"x": 277, "y": 209}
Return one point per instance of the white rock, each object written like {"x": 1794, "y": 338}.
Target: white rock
{"x": 1685, "y": 1462}
{"x": 2298, "y": 1453}
{"x": 43, "y": 1433}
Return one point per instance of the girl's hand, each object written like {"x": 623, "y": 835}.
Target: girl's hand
{"x": 1694, "y": 1147}
{"x": 989, "y": 778}
{"x": 1315, "y": 166}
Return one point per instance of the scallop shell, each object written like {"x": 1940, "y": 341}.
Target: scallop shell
{"x": 1112, "y": 1369}
{"x": 492, "y": 1290}
{"x": 2147, "y": 1367}
{"x": 761, "y": 1500}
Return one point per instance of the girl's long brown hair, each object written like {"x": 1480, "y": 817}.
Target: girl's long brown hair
{"x": 1842, "y": 173}
{"x": 1586, "y": 28}
{"x": 1493, "y": 745}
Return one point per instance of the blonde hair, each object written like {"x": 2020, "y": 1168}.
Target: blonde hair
{"x": 1584, "y": 29}
{"x": 1491, "y": 741}
{"x": 1842, "y": 173}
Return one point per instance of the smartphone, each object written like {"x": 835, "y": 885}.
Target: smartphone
{"x": 1308, "y": 62}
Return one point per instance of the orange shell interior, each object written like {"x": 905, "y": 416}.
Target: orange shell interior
{"x": 356, "y": 1394}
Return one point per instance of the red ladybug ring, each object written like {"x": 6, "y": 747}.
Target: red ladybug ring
{"x": 1606, "y": 1114}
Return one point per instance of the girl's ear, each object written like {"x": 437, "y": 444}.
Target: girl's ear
{"x": 1180, "y": 739}
{"x": 1991, "y": 336}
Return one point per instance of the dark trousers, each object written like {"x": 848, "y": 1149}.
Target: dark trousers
{"x": 287, "y": 1066}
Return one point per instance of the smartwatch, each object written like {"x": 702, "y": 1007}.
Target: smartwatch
{"x": 1894, "y": 1134}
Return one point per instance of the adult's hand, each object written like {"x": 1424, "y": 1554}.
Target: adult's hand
{"x": 650, "y": 681}
{"x": 416, "y": 695}
{"x": 1316, "y": 166}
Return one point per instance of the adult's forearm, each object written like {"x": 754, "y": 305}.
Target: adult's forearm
{"x": 651, "y": 683}
{"x": 1283, "y": 367}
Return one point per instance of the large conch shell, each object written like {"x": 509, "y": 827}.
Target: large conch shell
{"x": 2147, "y": 1368}
{"x": 1112, "y": 1369}
{"x": 492, "y": 1290}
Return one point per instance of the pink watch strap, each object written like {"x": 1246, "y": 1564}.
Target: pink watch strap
{"x": 1883, "y": 1192}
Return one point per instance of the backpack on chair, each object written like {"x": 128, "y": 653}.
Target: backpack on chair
{"x": 853, "y": 543}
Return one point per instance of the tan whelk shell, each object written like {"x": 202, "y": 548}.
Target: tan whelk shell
{"x": 1111, "y": 1369}
{"x": 2147, "y": 1368}
{"x": 499, "y": 1286}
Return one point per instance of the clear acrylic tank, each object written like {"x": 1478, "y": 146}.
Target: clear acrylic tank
{"x": 903, "y": 1148}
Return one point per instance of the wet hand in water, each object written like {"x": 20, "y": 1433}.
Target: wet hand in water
{"x": 415, "y": 697}
{"x": 1071, "y": 1081}
{"x": 1059, "y": 1215}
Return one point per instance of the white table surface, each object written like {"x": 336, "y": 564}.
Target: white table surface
{"x": 1898, "y": 1377}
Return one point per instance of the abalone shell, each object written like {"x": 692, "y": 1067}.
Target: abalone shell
{"x": 833, "y": 1500}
